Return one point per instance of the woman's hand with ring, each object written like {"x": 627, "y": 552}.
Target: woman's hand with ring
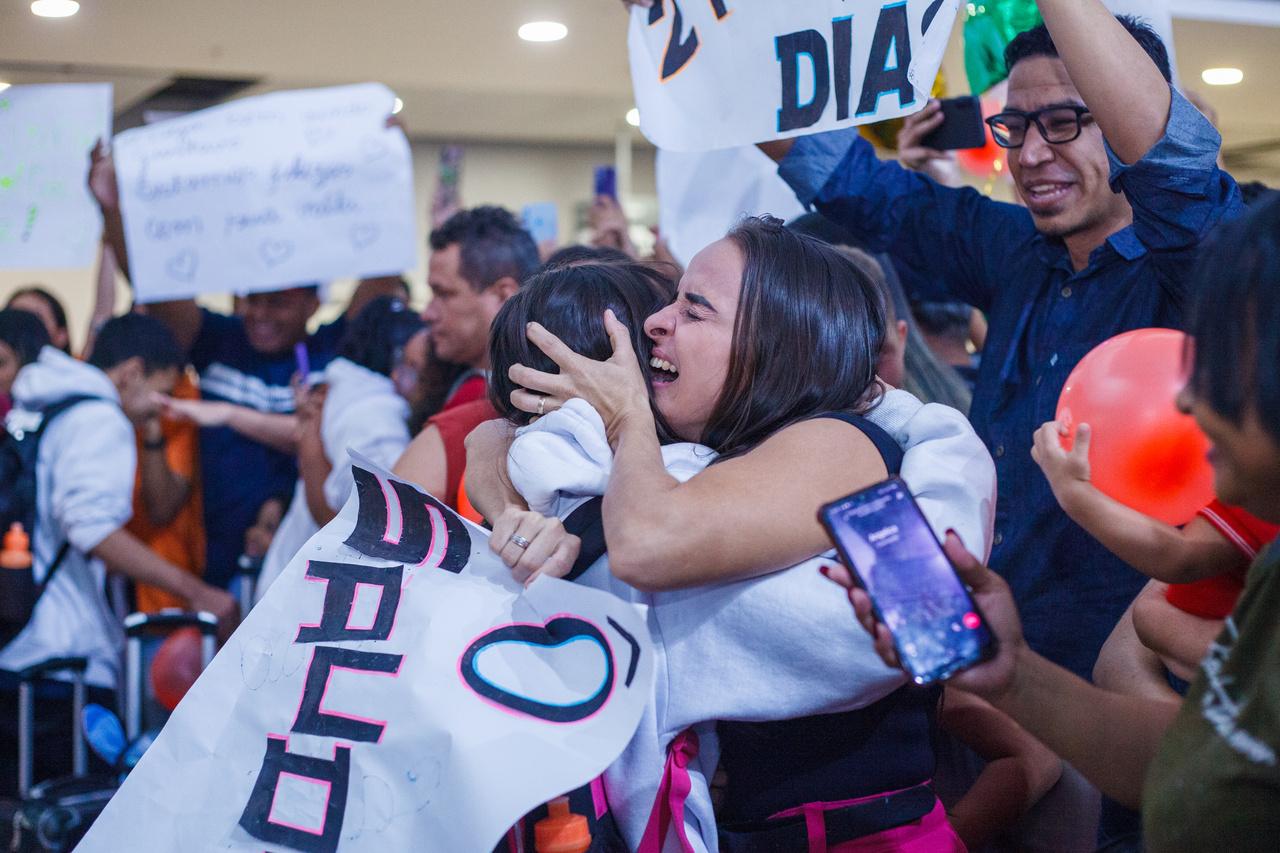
{"x": 532, "y": 544}
{"x": 615, "y": 388}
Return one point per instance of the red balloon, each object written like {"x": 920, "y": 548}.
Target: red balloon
{"x": 176, "y": 666}
{"x": 1144, "y": 452}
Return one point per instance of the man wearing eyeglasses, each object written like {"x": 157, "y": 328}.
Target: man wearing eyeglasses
{"x": 1119, "y": 177}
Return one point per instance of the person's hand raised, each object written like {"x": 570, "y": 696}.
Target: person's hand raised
{"x": 988, "y": 679}
{"x": 102, "y": 177}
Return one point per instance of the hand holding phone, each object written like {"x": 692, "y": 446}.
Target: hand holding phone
{"x": 936, "y": 626}
{"x": 961, "y": 127}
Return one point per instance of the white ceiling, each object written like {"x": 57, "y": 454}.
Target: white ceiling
{"x": 463, "y": 73}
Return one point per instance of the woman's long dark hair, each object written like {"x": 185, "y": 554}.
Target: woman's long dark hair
{"x": 570, "y": 302}
{"x": 379, "y": 333}
{"x": 806, "y": 338}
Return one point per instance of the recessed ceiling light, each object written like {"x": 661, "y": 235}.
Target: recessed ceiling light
{"x": 397, "y": 106}
{"x": 543, "y": 31}
{"x": 1222, "y": 76}
{"x": 633, "y": 117}
{"x": 4, "y": 84}
{"x": 55, "y": 8}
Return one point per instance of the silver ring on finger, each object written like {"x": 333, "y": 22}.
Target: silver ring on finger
{"x": 542, "y": 404}
{"x": 519, "y": 541}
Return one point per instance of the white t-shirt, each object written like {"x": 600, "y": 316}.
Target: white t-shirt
{"x": 84, "y": 492}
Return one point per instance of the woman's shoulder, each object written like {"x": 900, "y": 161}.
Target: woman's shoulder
{"x": 827, "y": 439}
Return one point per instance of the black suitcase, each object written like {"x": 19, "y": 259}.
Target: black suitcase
{"x": 53, "y": 815}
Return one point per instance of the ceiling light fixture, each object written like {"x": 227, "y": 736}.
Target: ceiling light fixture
{"x": 4, "y": 84}
{"x": 1222, "y": 76}
{"x": 55, "y": 8}
{"x": 543, "y": 31}
{"x": 397, "y": 107}
{"x": 633, "y": 117}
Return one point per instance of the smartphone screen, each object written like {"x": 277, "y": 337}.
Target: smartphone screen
{"x": 890, "y": 547}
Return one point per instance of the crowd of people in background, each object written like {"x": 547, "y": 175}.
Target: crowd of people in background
{"x": 902, "y": 327}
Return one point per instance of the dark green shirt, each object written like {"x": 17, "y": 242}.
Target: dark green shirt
{"x": 1215, "y": 784}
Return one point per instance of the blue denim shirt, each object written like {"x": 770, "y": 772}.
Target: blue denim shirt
{"x": 956, "y": 244}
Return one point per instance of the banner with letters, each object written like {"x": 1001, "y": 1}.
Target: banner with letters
{"x": 712, "y": 74}
{"x": 394, "y": 690}
{"x": 269, "y": 192}
{"x": 47, "y": 217}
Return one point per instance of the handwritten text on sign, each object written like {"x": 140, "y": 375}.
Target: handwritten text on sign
{"x": 723, "y": 73}
{"x": 47, "y": 217}
{"x": 268, "y": 192}
{"x": 394, "y": 690}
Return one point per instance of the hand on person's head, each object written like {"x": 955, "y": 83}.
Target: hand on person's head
{"x": 912, "y": 153}
{"x": 1066, "y": 471}
{"x": 532, "y": 544}
{"x": 102, "y": 177}
{"x": 221, "y": 604}
{"x": 989, "y": 678}
{"x": 204, "y": 413}
{"x": 615, "y": 388}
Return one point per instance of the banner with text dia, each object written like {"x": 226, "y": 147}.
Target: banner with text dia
{"x": 714, "y": 74}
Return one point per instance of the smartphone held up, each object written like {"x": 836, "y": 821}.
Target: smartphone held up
{"x": 893, "y": 554}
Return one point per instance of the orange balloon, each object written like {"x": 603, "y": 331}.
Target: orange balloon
{"x": 176, "y": 666}
{"x": 1144, "y": 452}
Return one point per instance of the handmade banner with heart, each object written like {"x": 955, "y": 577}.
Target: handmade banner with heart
{"x": 394, "y": 690}
{"x": 265, "y": 193}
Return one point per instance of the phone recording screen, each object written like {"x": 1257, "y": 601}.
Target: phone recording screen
{"x": 888, "y": 543}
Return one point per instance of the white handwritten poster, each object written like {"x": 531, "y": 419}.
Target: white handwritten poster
{"x": 47, "y": 217}
{"x": 394, "y": 690}
{"x": 714, "y": 74}
{"x": 267, "y": 192}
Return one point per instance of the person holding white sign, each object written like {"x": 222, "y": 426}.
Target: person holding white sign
{"x": 1119, "y": 176}
{"x": 247, "y": 436}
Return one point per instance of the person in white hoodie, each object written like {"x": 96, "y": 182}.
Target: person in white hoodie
{"x": 84, "y": 497}
{"x": 768, "y": 648}
{"x": 361, "y": 405}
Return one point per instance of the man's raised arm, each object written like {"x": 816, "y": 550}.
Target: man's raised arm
{"x": 1118, "y": 81}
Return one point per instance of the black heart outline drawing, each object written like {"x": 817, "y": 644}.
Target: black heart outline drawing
{"x": 182, "y": 266}
{"x": 364, "y": 235}
{"x": 275, "y": 252}
{"x": 557, "y": 632}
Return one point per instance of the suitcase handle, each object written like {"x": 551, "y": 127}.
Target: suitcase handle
{"x": 136, "y": 626}
{"x": 26, "y": 715}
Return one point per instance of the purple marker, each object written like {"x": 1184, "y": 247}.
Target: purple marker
{"x": 304, "y": 363}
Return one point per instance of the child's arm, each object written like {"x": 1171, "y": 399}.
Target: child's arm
{"x": 1179, "y": 638}
{"x": 1156, "y": 549}
{"x": 1019, "y": 771}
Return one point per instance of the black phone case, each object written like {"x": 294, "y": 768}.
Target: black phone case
{"x": 962, "y": 126}
{"x": 988, "y": 652}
